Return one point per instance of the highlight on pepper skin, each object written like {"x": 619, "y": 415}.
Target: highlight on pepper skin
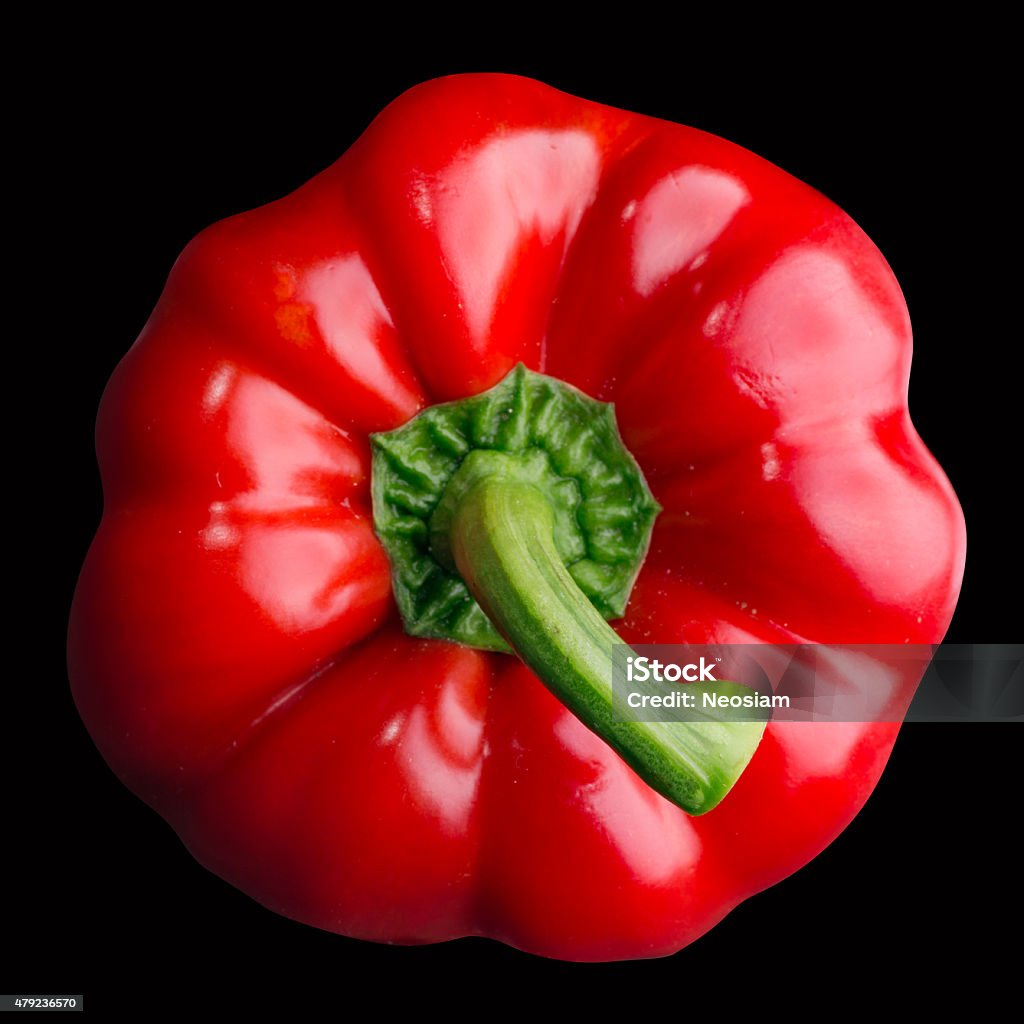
{"x": 350, "y": 640}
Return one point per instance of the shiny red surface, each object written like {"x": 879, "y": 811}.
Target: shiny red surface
{"x": 234, "y": 649}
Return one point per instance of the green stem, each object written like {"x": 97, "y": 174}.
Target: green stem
{"x": 516, "y": 521}
{"x": 502, "y": 541}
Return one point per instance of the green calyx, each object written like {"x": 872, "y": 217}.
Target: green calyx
{"x": 517, "y": 521}
{"x": 530, "y": 429}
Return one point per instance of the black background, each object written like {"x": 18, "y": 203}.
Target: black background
{"x": 134, "y": 155}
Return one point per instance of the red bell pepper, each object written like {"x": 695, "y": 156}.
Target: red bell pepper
{"x": 236, "y": 648}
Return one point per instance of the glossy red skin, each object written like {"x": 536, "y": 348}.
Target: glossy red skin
{"x": 234, "y": 648}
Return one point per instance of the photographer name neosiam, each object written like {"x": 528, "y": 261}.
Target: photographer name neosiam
{"x": 682, "y": 699}
{"x": 644, "y": 669}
